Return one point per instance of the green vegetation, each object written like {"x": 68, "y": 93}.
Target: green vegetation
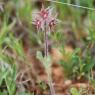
{"x": 21, "y": 46}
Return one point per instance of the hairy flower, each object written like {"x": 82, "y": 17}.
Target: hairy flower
{"x": 45, "y": 17}
{"x": 37, "y": 23}
{"x": 44, "y": 13}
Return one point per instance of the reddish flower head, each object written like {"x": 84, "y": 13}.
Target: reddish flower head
{"x": 52, "y": 23}
{"x": 44, "y": 13}
{"x": 38, "y": 23}
{"x": 45, "y": 17}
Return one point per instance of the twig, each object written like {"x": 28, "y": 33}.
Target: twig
{"x": 78, "y": 6}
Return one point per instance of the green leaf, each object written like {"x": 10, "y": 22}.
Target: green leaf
{"x": 10, "y": 85}
{"x": 74, "y": 91}
{"x": 39, "y": 56}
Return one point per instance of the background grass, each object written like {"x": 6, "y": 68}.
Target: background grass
{"x": 74, "y": 38}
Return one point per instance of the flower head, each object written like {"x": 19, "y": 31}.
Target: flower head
{"x": 38, "y": 23}
{"x": 45, "y": 17}
{"x": 44, "y": 13}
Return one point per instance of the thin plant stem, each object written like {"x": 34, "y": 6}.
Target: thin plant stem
{"x": 52, "y": 91}
{"x": 46, "y": 41}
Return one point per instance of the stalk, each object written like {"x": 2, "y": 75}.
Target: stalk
{"x": 46, "y": 41}
{"x": 52, "y": 91}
